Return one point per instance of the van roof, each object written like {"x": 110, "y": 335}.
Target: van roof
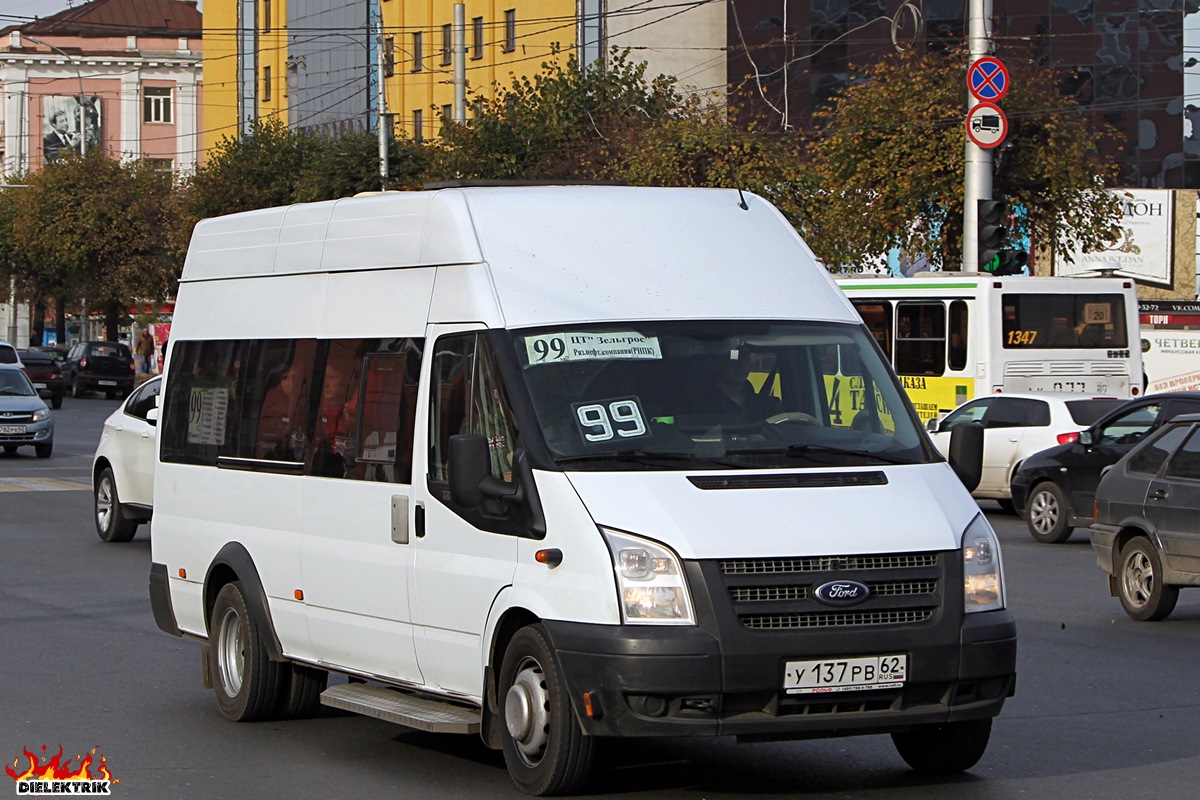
{"x": 554, "y": 253}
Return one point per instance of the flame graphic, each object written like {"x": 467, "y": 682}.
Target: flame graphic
{"x": 55, "y": 769}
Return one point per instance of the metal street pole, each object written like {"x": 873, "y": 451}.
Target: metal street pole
{"x": 82, "y": 94}
{"x": 382, "y": 104}
{"x": 459, "y": 44}
{"x": 977, "y": 178}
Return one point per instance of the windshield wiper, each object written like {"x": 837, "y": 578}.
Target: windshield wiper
{"x": 801, "y": 450}
{"x": 644, "y": 455}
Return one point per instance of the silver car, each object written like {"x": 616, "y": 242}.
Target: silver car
{"x": 25, "y": 420}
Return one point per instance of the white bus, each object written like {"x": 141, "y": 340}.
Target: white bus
{"x": 954, "y": 336}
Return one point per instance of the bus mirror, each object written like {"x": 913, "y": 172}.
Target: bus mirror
{"x": 932, "y": 425}
{"x": 470, "y": 473}
{"x": 966, "y": 453}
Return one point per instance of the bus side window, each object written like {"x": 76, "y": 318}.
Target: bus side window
{"x": 957, "y": 354}
{"x": 878, "y": 317}
{"x": 920, "y": 338}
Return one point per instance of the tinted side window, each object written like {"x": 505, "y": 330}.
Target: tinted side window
{"x": 387, "y": 421}
{"x": 878, "y": 317}
{"x": 8, "y": 355}
{"x": 1186, "y": 461}
{"x": 920, "y": 338}
{"x": 1011, "y": 412}
{"x": 1151, "y": 456}
{"x": 140, "y": 402}
{"x": 467, "y": 397}
{"x": 971, "y": 412}
{"x": 1129, "y": 427}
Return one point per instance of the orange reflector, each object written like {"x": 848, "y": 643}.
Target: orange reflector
{"x": 587, "y": 703}
{"x": 182, "y": 572}
{"x": 543, "y": 557}
{"x": 299, "y": 593}
{"x": 551, "y": 557}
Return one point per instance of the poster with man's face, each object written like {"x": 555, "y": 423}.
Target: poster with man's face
{"x": 61, "y": 125}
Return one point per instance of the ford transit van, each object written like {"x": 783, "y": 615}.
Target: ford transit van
{"x": 546, "y": 464}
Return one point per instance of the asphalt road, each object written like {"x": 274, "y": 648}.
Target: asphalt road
{"x": 1105, "y": 707}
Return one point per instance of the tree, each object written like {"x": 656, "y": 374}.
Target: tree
{"x": 889, "y": 160}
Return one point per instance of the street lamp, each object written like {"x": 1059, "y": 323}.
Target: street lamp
{"x": 82, "y": 94}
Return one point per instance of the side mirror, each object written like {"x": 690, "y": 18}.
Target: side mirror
{"x": 932, "y": 425}
{"x": 1085, "y": 438}
{"x": 471, "y": 479}
{"x": 966, "y": 453}
{"x": 152, "y": 416}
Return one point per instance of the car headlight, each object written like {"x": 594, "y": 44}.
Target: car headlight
{"x": 41, "y": 414}
{"x": 650, "y": 582}
{"x": 983, "y": 574}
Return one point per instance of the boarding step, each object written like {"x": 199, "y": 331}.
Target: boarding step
{"x": 421, "y": 713}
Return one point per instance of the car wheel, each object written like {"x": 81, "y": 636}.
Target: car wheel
{"x": 111, "y": 524}
{"x": 1007, "y": 506}
{"x": 1046, "y": 514}
{"x": 1139, "y": 583}
{"x": 56, "y": 401}
{"x": 9, "y": 449}
{"x": 544, "y": 748}
{"x": 76, "y": 389}
{"x": 110, "y": 395}
{"x": 44, "y": 450}
{"x": 245, "y": 679}
{"x": 952, "y": 747}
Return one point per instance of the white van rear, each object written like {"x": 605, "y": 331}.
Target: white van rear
{"x": 548, "y": 464}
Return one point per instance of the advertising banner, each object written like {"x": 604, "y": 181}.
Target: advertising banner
{"x": 1144, "y": 248}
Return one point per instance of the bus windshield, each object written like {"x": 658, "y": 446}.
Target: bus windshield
{"x": 1063, "y": 321}
{"x": 716, "y": 394}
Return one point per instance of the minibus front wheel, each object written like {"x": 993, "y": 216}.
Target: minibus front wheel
{"x": 544, "y": 747}
{"x": 245, "y": 679}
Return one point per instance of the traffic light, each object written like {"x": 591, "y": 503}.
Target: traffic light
{"x": 994, "y": 257}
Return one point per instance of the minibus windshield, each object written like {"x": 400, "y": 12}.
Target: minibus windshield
{"x": 716, "y": 395}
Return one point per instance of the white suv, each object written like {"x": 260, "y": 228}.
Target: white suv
{"x": 1017, "y": 425}
{"x": 123, "y": 467}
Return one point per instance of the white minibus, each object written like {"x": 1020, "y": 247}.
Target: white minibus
{"x": 546, "y": 464}
{"x": 954, "y": 336}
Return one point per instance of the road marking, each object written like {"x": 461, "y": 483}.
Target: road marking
{"x": 41, "y": 485}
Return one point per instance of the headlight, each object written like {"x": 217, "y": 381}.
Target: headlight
{"x": 650, "y": 582}
{"x": 41, "y": 414}
{"x": 983, "y": 574}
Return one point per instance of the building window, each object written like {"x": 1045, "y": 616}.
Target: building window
{"x": 447, "y": 114}
{"x": 266, "y": 20}
{"x": 418, "y": 126}
{"x": 477, "y": 37}
{"x": 447, "y": 43}
{"x": 156, "y": 104}
{"x": 510, "y": 30}
{"x": 164, "y": 164}
{"x": 266, "y": 79}
{"x": 417, "y": 56}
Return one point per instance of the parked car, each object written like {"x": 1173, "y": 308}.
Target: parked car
{"x": 1055, "y": 488}
{"x": 1017, "y": 425}
{"x": 56, "y": 351}
{"x": 44, "y": 373}
{"x": 123, "y": 466}
{"x": 25, "y": 420}
{"x": 1147, "y": 529}
{"x": 99, "y": 366}
{"x": 8, "y": 354}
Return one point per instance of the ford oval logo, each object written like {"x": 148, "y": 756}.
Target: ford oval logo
{"x": 842, "y": 593}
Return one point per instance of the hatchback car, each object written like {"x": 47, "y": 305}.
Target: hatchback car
{"x": 1054, "y": 489}
{"x": 123, "y": 466}
{"x": 99, "y": 366}
{"x": 1147, "y": 529}
{"x": 45, "y": 375}
{"x": 25, "y": 420}
{"x": 8, "y": 354}
{"x": 1017, "y": 425}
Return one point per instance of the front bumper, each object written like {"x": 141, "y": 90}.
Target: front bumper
{"x": 41, "y": 432}
{"x": 721, "y": 678}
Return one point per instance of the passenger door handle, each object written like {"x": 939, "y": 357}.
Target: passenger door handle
{"x": 419, "y": 520}
{"x": 1157, "y": 494}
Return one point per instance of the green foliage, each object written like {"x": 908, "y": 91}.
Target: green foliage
{"x": 889, "y": 159}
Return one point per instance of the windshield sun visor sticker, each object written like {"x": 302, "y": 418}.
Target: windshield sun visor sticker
{"x": 556, "y": 348}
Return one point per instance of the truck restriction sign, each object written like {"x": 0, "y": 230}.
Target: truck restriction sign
{"x": 986, "y": 125}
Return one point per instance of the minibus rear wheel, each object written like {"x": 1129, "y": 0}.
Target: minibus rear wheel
{"x": 952, "y": 747}
{"x": 544, "y": 747}
{"x": 300, "y": 694}
{"x": 246, "y": 681}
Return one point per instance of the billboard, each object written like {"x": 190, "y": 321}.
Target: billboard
{"x": 1144, "y": 246}
{"x": 61, "y": 128}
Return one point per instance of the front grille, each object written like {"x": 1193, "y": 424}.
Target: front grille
{"x": 802, "y": 480}
{"x": 828, "y": 563}
{"x": 835, "y": 619}
{"x": 779, "y": 594}
{"x": 16, "y": 419}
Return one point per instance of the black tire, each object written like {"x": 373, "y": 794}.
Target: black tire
{"x": 76, "y": 389}
{"x": 1007, "y": 506}
{"x": 300, "y": 695}
{"x": 1046, "y": 514}
{"x": 245, "y": 680}
{"x": 948, "y": 748}
{"x": 56, "y": 401}
{"x": 1139, "y": 582}
{"x": 9, "y": 449}
{"x": 44, "y": 450}
{"x": 544, "y": 747}
{"x": 110, "y": 394}
{"x": 111, "y": 525}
